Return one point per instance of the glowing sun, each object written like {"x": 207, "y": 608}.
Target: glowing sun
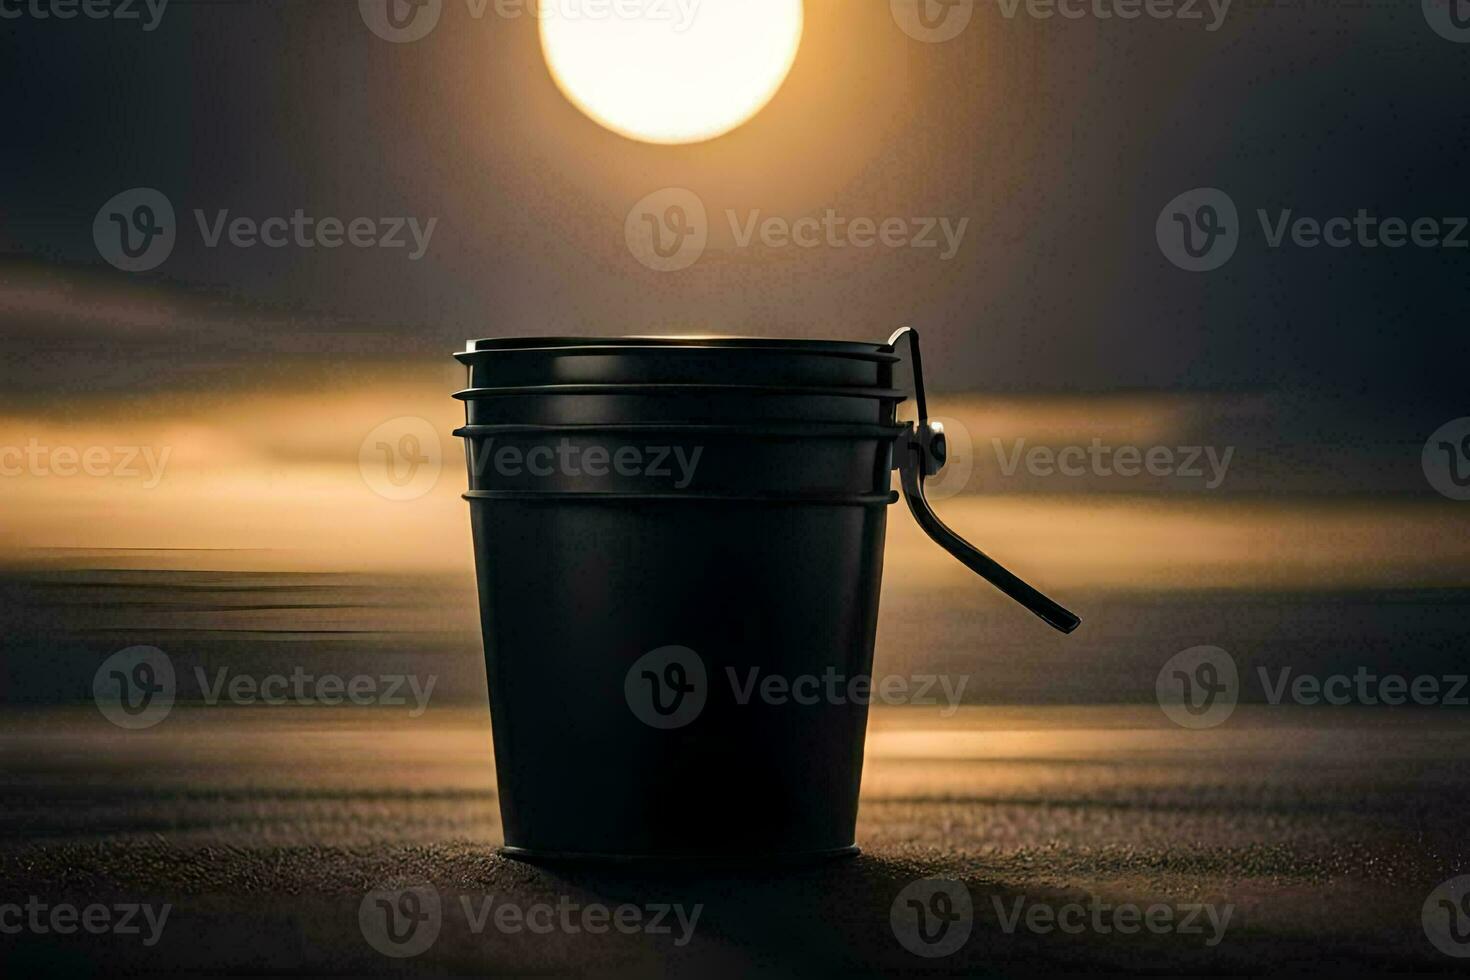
{"x": 674, "y": 71}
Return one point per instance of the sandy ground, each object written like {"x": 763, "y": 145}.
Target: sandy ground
{"x": 1320, "y": 833}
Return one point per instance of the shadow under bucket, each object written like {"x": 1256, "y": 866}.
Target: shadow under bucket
{"x": 679, "y": 569}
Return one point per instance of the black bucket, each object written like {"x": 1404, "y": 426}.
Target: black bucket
{"x": 656, "y": 522}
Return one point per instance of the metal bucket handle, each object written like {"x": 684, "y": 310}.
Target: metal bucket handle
{"x": 920, "y": 452}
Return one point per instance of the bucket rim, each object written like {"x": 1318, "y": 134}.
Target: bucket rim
{"x": 865, "y": 350}
{"x": 756, "y": 430}
{"x": 817, "y": 498}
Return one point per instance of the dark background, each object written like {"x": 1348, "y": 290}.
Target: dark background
{"x": 1060, "y": 140}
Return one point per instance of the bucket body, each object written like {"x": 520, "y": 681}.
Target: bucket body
{"x": 679, "y": 595}
{"x": 574, "y": 593}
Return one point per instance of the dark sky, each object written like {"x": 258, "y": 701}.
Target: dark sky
{"x": 1060, "y": 141}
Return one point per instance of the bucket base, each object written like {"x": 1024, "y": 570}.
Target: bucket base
{"x": 531, "y": 855}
